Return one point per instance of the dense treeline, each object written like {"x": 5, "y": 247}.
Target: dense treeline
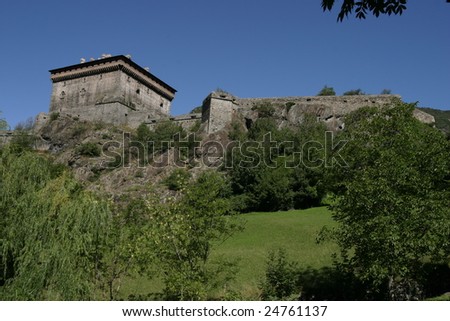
{"x": 277, "y": 169}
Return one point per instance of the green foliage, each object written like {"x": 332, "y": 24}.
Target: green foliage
{"x": 442, "y": 118}
{"x": 143, "y": 133}
{"x": 79, "y": 129}
{"x": 177, "y": 179}
{"x": 289, "y": 105}
{"x": 327, "y": 91}
{"x": 392, "y": 201}
{"x": 88, "y": 149}
{"x": 50, "y": 232}
{"x": 386, "y": 92}
{"x": 376, "y": 7}
{"x": 196, "y": 126}
{"x": 196, "y": 110}
{"x": 163, "y": 135}
{"x": 54, "y": 116}
{"x": 3, "y": 124}
{"x": 265, "y": 110}
{"x": 182, "y": 233}
{"x": 261, "y": 179}
{"x": 23, "y": 138}
{"x": 354, "y": 92}
{"x": 280, "y": 279}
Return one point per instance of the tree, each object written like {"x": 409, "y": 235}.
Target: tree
{"x": 3, "y": 123}
{"x": 327, "y": 91}
{"x": 354, "y": 92}
{"x": 392, "y": 201}
{"x": 182, "y": 233}
{"x": 362, "y": 7}
{"x": 386, "y": 92}
{"x": 51, "y": 231}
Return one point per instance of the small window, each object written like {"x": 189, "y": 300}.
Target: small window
{"x": 62, "y": 95}
{"x": 126, "y": 115}
{"x": 161, "y": 104}
{"x": 138, "y": 91}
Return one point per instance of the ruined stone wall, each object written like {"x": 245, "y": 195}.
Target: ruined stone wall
{"x": 329, "y": 109}
{"x": 185, "y": 121}
{"x": 219, "y": 108}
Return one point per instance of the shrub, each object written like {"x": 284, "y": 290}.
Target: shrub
{"x": 280, "y": 281}
{"x": 327, "y": 91}
{"x": 54, "y": 116}
{"x": 88, "y": 149}
{"x": 177, "y": 179}
{"x": 265, "y": 110}
{"x": 354, "y": 92}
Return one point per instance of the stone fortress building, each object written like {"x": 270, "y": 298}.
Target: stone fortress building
{"x": 116, "y": 90}
{"x": 113, "y": 89}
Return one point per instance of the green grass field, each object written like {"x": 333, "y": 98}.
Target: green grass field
{"x": 293, "y": 231}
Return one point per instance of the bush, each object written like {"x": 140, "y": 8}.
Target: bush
{"x": 177, "y": 179}
{"x": 354, "y": 92}
{"x": 327, "y": 91}
{"x": 280, "y": 281}
{"x": 54, "y": 116}
{"x": 88, "y": 149}
{"x": 265, "y": 110}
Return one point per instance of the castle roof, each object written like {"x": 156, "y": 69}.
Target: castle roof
{"x": 113, "y": 63}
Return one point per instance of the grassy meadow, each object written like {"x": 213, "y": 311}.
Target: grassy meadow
{"x": 294, "y": 231}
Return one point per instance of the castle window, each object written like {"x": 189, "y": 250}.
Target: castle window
{"x": 161, "y": 104}
{"x": 62, "y": 95}
{"x": 138, "y": 91}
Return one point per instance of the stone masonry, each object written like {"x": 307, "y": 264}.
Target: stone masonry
{"x": 113, "y": 89}
{"x": 220, "y": 108}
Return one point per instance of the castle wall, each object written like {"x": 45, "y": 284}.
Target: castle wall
{"x": 114, "y": 90}
{"x": 217, "y": 111}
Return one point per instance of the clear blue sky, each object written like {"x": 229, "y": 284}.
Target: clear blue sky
{"x": 251, "y": 48}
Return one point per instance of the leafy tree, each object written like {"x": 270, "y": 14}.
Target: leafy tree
{"x": 182, "y": 233}
{"x": 354, "y": 92}
{"x": 51, "y": 231}
{"x": 392, "y": 201}
{"x": 327, "y": 91}
{"x": 361, "y": 8}
{"x": 164, "y": 134}
{"x": 3, "y": 123}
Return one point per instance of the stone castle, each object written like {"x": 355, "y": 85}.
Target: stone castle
{"x": 116, "y": 90}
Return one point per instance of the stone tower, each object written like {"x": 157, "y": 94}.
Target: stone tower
{"x": 112, "y": 89}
